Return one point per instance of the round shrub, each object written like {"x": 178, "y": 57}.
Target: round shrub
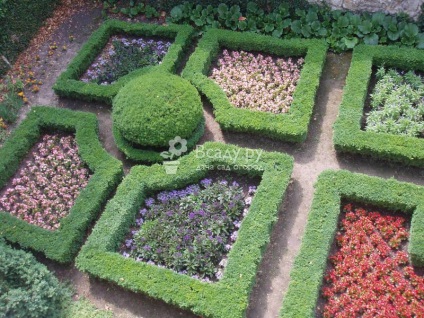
{"x": 27, "y": 288}
{"x": 153, "y": 109}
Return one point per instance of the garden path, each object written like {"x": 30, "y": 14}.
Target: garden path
{"x": 312, "y": 157}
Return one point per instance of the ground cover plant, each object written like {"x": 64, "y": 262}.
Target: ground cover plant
{"x": 256, "y": 81}
{"x": 192, "y": 229}
{"x": 397, "y": 105}
{"x": 291, "y": 126}
{"x": 228, "y": 297}
{"x": 45, "y": 188}
{"x": 349, "y": 135}
{"x": 121, "y": 56}
{"x": 370, "y": 273}
{"x": 62, "y": 244}
{"x": 372, "y": 245}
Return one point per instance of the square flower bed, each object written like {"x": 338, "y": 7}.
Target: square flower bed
{"x": 88, "y": 62}
{"x": 382, "y": 139}
{"x": 101, "y": 255}
{"x": 33, "y": 208}
{"x": 44, "y": 189}
{"x": 237, "y": 95}
{"x": 192, "y": 229}
{"x": 369, "y": 246}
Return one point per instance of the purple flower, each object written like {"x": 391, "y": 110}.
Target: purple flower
{"x": 206, "y": 182}
{"x": 149, "y": 202}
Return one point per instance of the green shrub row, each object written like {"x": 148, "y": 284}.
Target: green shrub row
{"x": 19, "y": 22}
{"x": 63, "y": 244}
{"x": 306, "y": 277}
{"x": 149, "y": 155}
{"x": 27, "y": 288}
{"x": 341, "y": 29}
{"x": 227, "y": 298}
{"x": 292, "y": 126}
{"x": 68, "y": 83}
{"x": 348, "y": 136}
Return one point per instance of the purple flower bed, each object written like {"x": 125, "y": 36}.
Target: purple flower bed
{"x": 256, "y": 81}
{"x": 190, "y": 230}
{"x": 46, "y": 186}
{"x": 122, "y": 56}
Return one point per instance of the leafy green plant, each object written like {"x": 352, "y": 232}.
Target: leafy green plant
{"x": 397, "y": 103}
{"x": 342, "y": 30}
{"x": 10, "y": 102}
{"x": 27, "y": 288}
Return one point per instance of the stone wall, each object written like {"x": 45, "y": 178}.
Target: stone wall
{"x": 411, "y": 7}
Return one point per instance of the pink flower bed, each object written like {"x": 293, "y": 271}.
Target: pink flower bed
{"x": 257, "y": 82}
{"x": 371, "y": 275}
{"x": 46, "y": 186}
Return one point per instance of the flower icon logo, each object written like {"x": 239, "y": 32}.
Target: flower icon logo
{"x": 177, "y": 146}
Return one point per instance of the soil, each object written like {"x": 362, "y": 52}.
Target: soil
{"x": 312, "y": 157}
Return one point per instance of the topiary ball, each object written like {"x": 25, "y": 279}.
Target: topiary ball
{"x": 153, "y": 109}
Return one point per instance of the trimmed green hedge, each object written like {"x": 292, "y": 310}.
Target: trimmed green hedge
{"x": 150, "y": 155}
{"x": 292, "y": 126}
{"x": 19, "y": 22}
{"x": 310, "y": 265}
{"x": 63, "y": 244}
{"x": 348, "y": 136}
{"x": 155, "y": 108}
{"x": 227, "y": 298}
{"x": 68, "y": 83}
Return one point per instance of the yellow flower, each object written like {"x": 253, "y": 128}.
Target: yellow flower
{"x": 21, "y": 94}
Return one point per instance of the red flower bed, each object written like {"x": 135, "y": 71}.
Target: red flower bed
{"x": 371, "y": 276}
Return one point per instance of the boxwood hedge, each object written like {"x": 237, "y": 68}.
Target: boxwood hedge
{"x": 226, "y": 298}
{"x": 348, "y": 136}
{"x": 309, "y": 267}
{"x": 60, "y": 245}
{"x": 68, "y": 83}
{"x": 292, "y": 126}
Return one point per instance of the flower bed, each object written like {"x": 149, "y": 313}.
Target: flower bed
{"x": 192, "y": 229}
{"x": 122, "y": 56}
{"x": 371, "y": 275}
{"x": 45, "y": 188}
{"x": 257, "y": 82}
{"x": 397, "y": 104}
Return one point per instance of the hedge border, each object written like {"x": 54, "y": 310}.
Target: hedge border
{"x": 151, "y": 156}
{"x": 227, "y": 298}
{"x": 68, "y": 83}
{"x": 332, "y": 186}
{"x": 348, "y": 136}
{"x": 292, "y": 126}
{"x": 63, "y": 244}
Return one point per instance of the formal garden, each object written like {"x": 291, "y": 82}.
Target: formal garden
{"x": 211, "y": 159}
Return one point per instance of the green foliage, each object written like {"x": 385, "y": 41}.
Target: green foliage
{"x": 82, "y": 308}
{"x": 397, "y": 104}
{"x": 60, "y": 245}
{"x": 292, "y": 126}
{"x": 68, "y": 83}
{"x": 306, "y": 277}
{"x": 153, "y": 109}
{"x": 227, "y": 298}
{"x": 27, "y": 288}
{"x": 348, "y": 135}
{"x": 11, "y": 102}
{"x": 149, "y": 156}
{"x": 19, "y": 22}
{"x": 342, "y": 30}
